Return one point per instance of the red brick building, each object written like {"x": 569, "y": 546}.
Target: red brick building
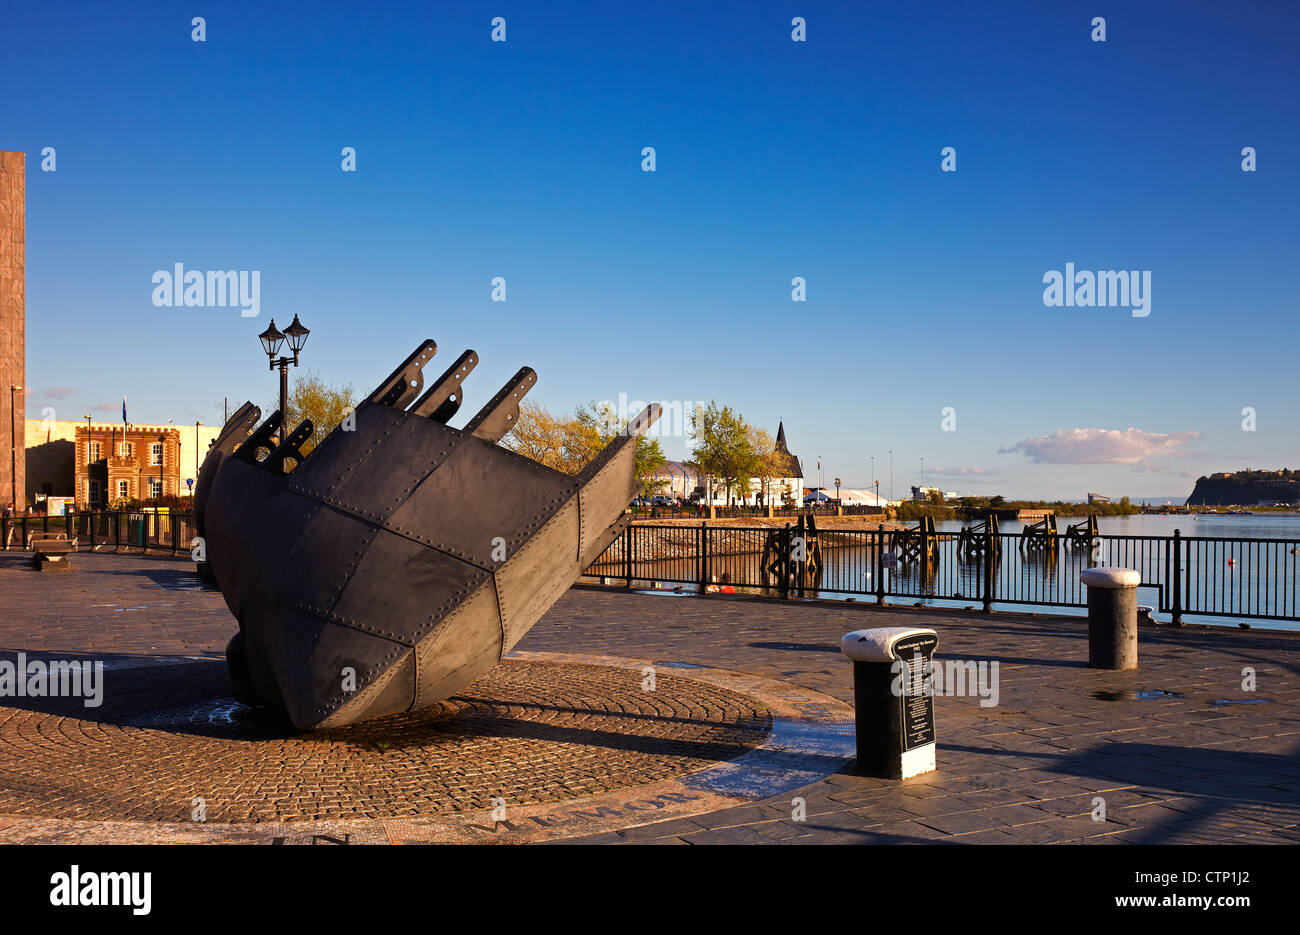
{"x": 135, "y": 462}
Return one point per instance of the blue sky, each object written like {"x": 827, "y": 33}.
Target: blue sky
{"x": 775, "y": 159}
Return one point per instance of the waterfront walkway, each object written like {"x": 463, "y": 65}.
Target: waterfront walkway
{"x": 1178, "y": 751}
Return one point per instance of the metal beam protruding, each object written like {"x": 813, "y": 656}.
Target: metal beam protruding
{"x": 237, "y": 428}
{"x": 500, "y": 414}
{"x": 405, "y": 383}
{"x": 289, "y": 448}
{"x": 259, "y": 439}
{"x": 444, "y": 397}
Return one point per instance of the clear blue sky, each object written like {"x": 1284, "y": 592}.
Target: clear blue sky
{"x": 775, "y": 159}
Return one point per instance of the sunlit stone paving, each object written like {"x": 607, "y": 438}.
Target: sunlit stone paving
{"x": 740, "y": 735}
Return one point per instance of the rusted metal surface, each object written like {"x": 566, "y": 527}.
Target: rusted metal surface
{"x": 401, "y": 558}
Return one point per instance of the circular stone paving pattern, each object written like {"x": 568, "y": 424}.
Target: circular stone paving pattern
{"x": 528, "y": 732}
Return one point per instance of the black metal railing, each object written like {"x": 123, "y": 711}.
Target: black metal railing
{"x": 1207, "y": 576}
{"x": 129, "y": 531}
{"x": 1212, "y": 576}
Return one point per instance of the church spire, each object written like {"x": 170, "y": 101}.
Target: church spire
{"x": 780, "y": 438}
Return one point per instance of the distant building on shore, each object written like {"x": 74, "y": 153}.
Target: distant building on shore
{"x": 922, "y": 494}
{"x": 783, "y": 485}
{"x": 97, "y": 463}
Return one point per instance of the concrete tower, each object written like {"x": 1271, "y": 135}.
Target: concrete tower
{"x": 13, "y": 323}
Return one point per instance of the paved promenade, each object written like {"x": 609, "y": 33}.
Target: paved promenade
{"x": 1178, "y": 751}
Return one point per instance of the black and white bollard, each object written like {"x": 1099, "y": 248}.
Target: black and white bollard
{"x": 1112, "y": 617}
{"x": 894, "y": 706}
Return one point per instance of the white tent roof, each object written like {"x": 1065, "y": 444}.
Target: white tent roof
{"x": 848, "y": 495}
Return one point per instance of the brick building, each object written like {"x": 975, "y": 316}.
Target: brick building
{"x": 138, "y": 462}
{"x": 89, "y": 463}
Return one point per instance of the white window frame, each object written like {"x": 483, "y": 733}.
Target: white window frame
{"x": 152, "y": 481}
{"x": 123, "y": 490}
{"x": 92, "y": 452}
{"x": 156, "y": 454}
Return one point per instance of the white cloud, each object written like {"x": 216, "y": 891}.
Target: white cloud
{"x": 1101, "y": 446}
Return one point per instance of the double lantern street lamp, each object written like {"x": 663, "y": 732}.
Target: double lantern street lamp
{"x": 272, "y": 339}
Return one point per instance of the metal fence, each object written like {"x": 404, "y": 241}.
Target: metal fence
{"x": 1215, "y": 576}
{"x": 1209, "y": 576}
{"x": 134, "y": 531}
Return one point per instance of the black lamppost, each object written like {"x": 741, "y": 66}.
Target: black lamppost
{"x": 271, "y": 340}
{"x": 89, "y": 505}
{"x": 13, "y": 452}
{"x": 162, "y": 452}
{"x": 837, "y": 492}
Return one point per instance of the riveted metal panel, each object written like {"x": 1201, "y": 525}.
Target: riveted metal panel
{"x": 604, "y": 495}
{"x": 342, "y": 452}
{"x": 535, "y": 577}
{"x": 479, "y": 494}
{"x": 389, "y": 693}
{"x": 402, "y": 588}
{"x": 391, "y": 465}
{"x": 311, "y": 658}
{"x": 322, "y": 561}
{"x": 464, "y": 645}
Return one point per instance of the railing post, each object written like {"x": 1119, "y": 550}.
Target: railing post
{"x": 786, "y": 564}
{"x": 1178, "y": 579}
{"x": 925, "y": 556}
{"x": 880, "y": 565}
{"x": 117, "y": 531}
{"x": 703, "y": 534}
{"x": 91, "y": 519}
{"x": 627, "y": 554}
{"x": 989, "y": 576}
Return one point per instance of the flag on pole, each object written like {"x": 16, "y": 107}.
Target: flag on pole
{"x": 124, "y": 410}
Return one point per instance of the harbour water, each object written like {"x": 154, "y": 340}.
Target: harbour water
{"x": 1237, "y": 570}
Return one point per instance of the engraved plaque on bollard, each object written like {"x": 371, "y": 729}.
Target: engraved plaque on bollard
{"x": 913, "y": 658}
{"x": 893, "y": 699}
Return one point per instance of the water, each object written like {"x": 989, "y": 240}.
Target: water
{"x": 1245, "y": 582}
{"x": 1256, "y": 526}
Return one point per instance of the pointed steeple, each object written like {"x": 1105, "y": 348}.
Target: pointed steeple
{"x": 780, "y": 439}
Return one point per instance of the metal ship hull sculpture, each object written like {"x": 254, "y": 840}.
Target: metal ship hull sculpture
{"x": 401, "y": 558}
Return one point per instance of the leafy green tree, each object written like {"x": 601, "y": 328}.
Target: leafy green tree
{"x": 724, "y": 447}
{"x": 569, "y": 443}
{"x": 310, "y": 397}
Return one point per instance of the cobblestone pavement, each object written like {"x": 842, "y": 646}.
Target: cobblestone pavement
{"x": 1178, "y": 751}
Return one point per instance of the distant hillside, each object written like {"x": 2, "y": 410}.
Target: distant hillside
{"x": 1246, "y": 488}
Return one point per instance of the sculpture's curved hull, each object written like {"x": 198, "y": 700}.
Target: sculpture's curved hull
{"x": 400, "y": 559}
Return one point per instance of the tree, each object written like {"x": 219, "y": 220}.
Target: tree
{"x": 327, "y": 406}
{"x": 602, "y": 425}
{"x": 558, "y": 442}
{"x": 569, "y": 443}
{"x": 724, "y": 448}
{"x": 770, "y": 463}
